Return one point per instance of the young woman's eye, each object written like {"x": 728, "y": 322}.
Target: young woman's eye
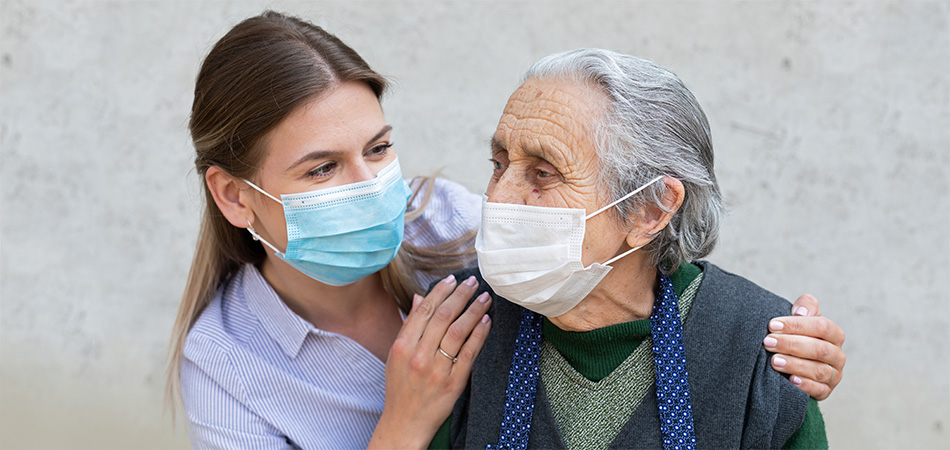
{"x": 323, "y": 170}
{"x": 380, "y": 149}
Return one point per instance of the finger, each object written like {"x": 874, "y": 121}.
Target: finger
{"x": 816, "y": 327}
{"x": 817, "y": 379}
{"x": 422, "y": 310}
{"x": 460, "y": 330}
{"x": 805, "y": 368}
{"x": 816, "y": 390}
{"x": 470, "y": 350}
{"x": 805, "y": 347}
{"x": 806, "y": 305}
{"x": 446, "y": 313}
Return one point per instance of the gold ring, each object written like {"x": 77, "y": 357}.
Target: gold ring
{"x": 451, "y": 358}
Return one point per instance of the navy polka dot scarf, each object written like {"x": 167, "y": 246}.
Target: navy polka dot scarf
{"x": 669, "y": 356}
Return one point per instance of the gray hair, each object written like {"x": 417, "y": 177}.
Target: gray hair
{"x": 652, "y": 126}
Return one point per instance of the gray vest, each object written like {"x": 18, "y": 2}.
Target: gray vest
{"x": 738, "y": 400}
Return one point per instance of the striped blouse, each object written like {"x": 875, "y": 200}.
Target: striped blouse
{"x": 256, "y": 375}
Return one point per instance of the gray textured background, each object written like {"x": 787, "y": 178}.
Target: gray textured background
{"x": 831, "y": 124}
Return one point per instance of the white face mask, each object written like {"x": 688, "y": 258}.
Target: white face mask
{"x": 531, "y": 255}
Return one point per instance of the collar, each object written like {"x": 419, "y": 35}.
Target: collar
{"x": 597, "y": 353}
{"x": 684, "y": 275}
{"x": 283, "y": 325}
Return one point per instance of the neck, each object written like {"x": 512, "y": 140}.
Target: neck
{"x": 330, "y": 308}
{"x": 624, "y": 295}
{"x": 362, "y": 311}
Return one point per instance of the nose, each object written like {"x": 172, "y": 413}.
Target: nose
{"x": 362, "y": 172}
{"x": 508, "y": 189}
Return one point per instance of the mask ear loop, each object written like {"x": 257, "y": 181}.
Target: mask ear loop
{"x": 621, "y": 198}
{"x": 623, "y": 254}
{"x": 615, "y": 258}
{"x": 262, "y": 192}
{"x": 250, "y": 228}
{"x": 258, "y": 237}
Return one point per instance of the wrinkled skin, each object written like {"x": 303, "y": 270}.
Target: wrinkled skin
{"x": 543, "y": 156}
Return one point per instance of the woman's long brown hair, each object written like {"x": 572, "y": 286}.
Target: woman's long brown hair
{"x": 254, "y": 77}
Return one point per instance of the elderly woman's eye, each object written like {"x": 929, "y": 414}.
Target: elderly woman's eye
{"x": 496, "y": 165}
{"x": 544, "y": 174}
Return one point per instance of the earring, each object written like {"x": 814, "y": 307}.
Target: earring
{"x": 251, "y": 229}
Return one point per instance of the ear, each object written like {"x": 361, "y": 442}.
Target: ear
{"x": 655, "y": 218}
{"x": 228, "y": 193}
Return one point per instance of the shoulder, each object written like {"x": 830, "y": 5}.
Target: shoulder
{"x": 446, "y": 197}
{"x": 440, "y": 211}
{"x": 214, "y": 390}
{"x": 505, "y": 315}
{"x": 212, "y": 345}
{"x": 209, "y": 331}
{"x": 739, "y": 296}
{"x": 732, "y": 311}
{"x": 728, "y": 364}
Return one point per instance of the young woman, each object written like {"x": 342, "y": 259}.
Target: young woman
{"x": 300, "y": 325}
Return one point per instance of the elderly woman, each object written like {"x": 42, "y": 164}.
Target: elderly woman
{"x": 602, "y": 200}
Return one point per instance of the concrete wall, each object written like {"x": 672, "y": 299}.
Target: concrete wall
{"x": 831, "y": 123}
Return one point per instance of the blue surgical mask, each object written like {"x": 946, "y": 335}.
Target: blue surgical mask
{"x": 342, "y": 234}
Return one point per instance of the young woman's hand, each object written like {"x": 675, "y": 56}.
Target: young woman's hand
{"x": 430, "y": 362}
{"x": 807, "y": 347}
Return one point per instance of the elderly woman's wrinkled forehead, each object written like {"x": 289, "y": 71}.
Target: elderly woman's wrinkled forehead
{"x": 564, "y": 103}
{"x": 552, "y": 116}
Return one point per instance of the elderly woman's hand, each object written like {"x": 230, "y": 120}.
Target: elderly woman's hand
{"x": 430, "y": 362}
{"x": 807, "y": 347}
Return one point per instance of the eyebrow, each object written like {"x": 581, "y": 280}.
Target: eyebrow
{"x": 320, "y": 154}
{"x": 535, "y": 152}
{"x": 496, "y": 146}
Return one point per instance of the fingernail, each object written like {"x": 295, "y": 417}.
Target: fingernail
{"x": 483, "y": 298}
{"x": 770, "y": 342}
{"x": 779, "y": 361}
{"x": 416, "y": 298}
{"x": 795, "y": 380}
{"x": 449, "y": 279}
{"x": 485, "y": 318}
{"x": 776, "y": 325}
{"x": 801, "y": 311}
{"x": 471, "y": 281}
